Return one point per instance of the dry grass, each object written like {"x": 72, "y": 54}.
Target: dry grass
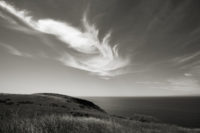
{"x": 71, "y": 124}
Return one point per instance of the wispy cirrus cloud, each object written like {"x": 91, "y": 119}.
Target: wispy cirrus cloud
{"x": 100, "y": 57}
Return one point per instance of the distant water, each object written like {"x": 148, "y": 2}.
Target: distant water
{"x": 183, "y": 111}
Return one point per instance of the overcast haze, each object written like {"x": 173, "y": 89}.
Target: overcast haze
{"x": 100, "y": 47}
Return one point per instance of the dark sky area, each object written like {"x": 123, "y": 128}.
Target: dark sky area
{"x": 100, "y": 47}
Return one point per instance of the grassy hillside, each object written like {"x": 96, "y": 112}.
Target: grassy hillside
{"x": 53, "y": 113}
{"x": 46, "y": 104}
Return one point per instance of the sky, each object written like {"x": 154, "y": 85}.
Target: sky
{"x": 100, "y": 47}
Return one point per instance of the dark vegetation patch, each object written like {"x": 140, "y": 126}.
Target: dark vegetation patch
{"x": 144, "y": 118}
{"x": 6, "y": 101}
{"x": 9, "y": 103}
{"x": 3, "y": 101}
{"x": 87, "y": 104}
{"x": 53, "y": 104}
{"x": 63, "y": 106}
{"x": 81, "y": 106}
{"x": 79, "y": 114}
{"x": 25, "y": 102}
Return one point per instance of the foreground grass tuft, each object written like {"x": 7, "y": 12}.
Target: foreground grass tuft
{"x": 71, "y": 124}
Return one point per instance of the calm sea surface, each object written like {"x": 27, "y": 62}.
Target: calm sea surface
{"x": 183, "y": 111}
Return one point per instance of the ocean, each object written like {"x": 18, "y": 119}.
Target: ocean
{"x": 182, "y": 111}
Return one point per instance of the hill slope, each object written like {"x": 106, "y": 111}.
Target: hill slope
{"x": 54, "y": 113}
{"x": 46, "y": 103}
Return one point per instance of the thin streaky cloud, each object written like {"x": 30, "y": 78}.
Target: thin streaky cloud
{"x": 183, "y": 84}
{"x": 103, "y": 60}
{"x": 189, "y": 57}
{"x": 12, "y": 50}
{"x": 181, "y": 60}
